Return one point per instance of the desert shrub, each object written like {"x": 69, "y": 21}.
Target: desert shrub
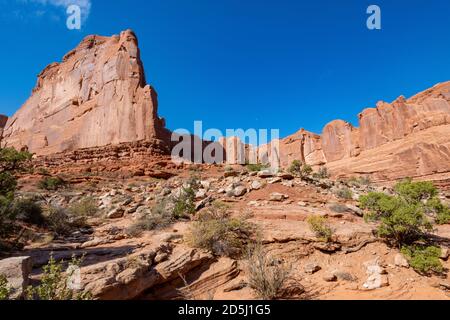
{"x": 59, "y": 220}
{"x": 360, "y": 181}
{"x": 440, "y": 211}
{"x": 344, "y": 193}
{"x": 266, "y": 276}
{"x": 27, "y": 210}
{"x": 404, "y": 225}
{"x": 402, "y": 216}
{"x": 8, "y": 184}
{"x": 51, "y": 183}
{"x": 295, "y": 167}
{"x": 54, "y": 284}
{"x": 320, "y": 227}
{"x": 159, "y": 217}
{"x": 13, "y": 160}
{"x": 413, "y": 192}
{"x": 86, "y": 207}
{"x": 424, "y": 260}
{"x": 306, "y": 170}
{"x": 184, "y": 203}
{"x": 322, "y": 173}
{"x": 4, "y": 288}
{"x": 256, "y": 167}
{"x": 219, "y": 233}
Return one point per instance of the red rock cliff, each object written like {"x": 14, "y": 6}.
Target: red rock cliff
{"x": 96, "y": 96}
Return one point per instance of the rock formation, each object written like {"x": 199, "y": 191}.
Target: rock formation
{"x": 3, "y": 120}
{"x": 406, "y": 138}
{"x": 96, "y": 96}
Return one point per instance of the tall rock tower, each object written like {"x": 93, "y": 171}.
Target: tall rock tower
{"x": 96, "y": 96}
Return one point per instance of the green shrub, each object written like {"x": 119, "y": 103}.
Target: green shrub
{"x": 266, "y": 276}
{"x": 402, "y": 216}
{"x": 54, "y": 283}
{"x": 321, "y": 229}
{"x": 404, "y": 225}
{"x": 12, "y": 160}
{"x": 27, "y": 210}
{"x": 51, "y": 183}
{"x": 8, "y": 184}
{"x": 306, "y": 170}
{"x": 441, "y": 211}
{"x": 295, "y": 168}
{"x": 344, "y": 193}
{"x": 322, "y": 173}
{"x": 414, "y": 192}
{"x": 4, "y": 288}
{"x": 424, "y": 260}
{"x": 217, "y": 232}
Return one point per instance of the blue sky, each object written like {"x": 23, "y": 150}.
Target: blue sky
{"x": 244, "y": 63}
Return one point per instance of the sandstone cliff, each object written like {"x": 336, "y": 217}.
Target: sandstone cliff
{"x": 96, "y": 96}
{"x": 3, "y": 120}
{"x": 406, "y": 138}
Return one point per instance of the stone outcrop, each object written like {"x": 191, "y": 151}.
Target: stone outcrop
{"x": 16, "y": 270}
{"x": 3, "y": 120}
{"x": 96, "y": 96}
{"x": 405, "y": 138}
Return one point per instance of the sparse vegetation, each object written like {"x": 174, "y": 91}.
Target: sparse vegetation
{"x": 256, "y": 167}
{"x": 159, "y": 217}
{"x": 4, "y": 288}
{"x": 424, "y": 259}
{"x": 320, "y": 227}
{"x": 51, "y": 183}
{"x": 54, "y": 284}
{"x": 86, "y": 207}
{"x": 219, "y": 233}
{"x": 11, "y": 162}
{"x": 295, "y": 168}
{"x": 322, "y": 173}
{"x": 344, "y": 193}
{"x": 266, "y": 276}
{"x": 360, "y": 181}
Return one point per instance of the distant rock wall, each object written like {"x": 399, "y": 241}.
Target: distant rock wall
{"x": 96, "y": 96}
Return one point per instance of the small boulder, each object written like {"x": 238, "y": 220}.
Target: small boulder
{"x": 240, "y": 191}
{"x": 312, "y": 268}
{"x": 400, "y": 261}
{"x": 278, "y": 197}
{"x": 256, "y": 185}
{"x": 265, "y": 174}
{"x": 115, "y": 213}
{"x": 17, "y": 271}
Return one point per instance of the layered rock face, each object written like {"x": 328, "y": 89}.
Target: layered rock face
{"x": 394, "y": 140}
{"x": 96, "y": 96}
{"x": 3, "y": 120}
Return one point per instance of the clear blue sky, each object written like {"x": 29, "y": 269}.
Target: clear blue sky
{"x": 245, "y": 63}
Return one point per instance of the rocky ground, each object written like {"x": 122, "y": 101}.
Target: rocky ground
{"x": 161, "y": 265}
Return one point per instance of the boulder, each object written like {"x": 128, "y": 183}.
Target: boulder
{"x": 17, "y": 271}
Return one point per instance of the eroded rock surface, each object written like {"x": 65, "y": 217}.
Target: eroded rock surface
{"x": 96, "y": 96}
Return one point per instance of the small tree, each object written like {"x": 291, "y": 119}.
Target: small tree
{"x": 402, "y": 216}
